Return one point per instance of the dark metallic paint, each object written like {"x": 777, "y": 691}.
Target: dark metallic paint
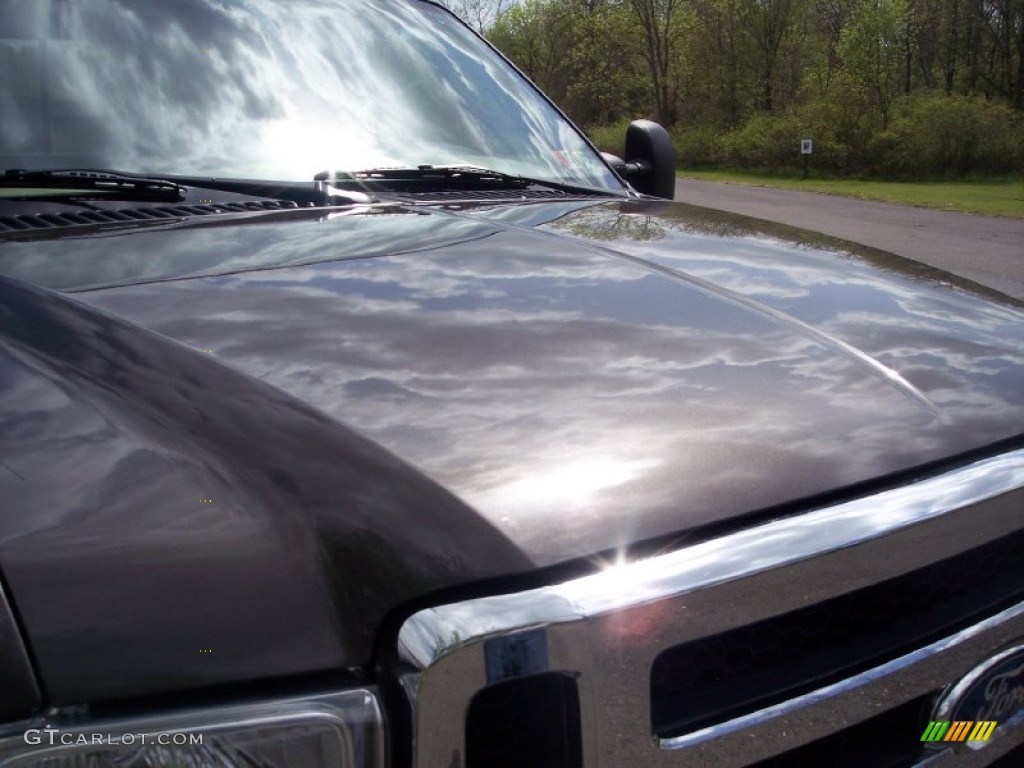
{"x": 386, "y": 402}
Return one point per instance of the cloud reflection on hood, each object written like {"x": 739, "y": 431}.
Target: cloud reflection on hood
{"x": 928, "y": 330}
{"x": 579, "y": 399}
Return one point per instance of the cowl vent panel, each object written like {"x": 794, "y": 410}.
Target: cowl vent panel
{"x": 30, "y": 222}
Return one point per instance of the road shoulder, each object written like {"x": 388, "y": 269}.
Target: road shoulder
{"x": 984, "y": 249}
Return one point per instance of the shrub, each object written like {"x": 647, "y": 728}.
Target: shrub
{"x": 762, "y": 141}
{"x": 935, "y": 135}
{"x": 772, "y": 142}
{"x": 841, "y": 127}
{"x": 697, "y": 146}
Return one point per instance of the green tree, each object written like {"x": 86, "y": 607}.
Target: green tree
{"x": 769, "y": 24}
{"x": 582, "y": 53}
{"x": 721, "y": 77}
{"x": 479, "y": 14}
{"x": 606, "y": 84}
{"x": 873, "y": 48}
{"x": 1002, "y": 39}
{"x": 665, "y": 24}
{"x": 739, "y": 81}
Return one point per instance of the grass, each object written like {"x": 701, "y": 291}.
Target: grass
{"x": 989, "y": 197}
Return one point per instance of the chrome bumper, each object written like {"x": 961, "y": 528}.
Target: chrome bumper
{"x": 605, "y": 630}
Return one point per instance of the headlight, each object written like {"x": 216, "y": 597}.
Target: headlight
{"x": 343, "y": 730}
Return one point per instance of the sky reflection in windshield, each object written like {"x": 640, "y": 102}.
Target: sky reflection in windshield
{"x": 197, "y": 87}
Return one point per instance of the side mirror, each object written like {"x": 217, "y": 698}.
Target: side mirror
{"x": 650, "y": 164}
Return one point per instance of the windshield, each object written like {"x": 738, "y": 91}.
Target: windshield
{"x": 263, "y": 89}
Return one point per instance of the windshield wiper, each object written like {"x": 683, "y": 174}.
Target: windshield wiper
{"x": 459, "y": 176}
{"x": 301, "y": 192}
{"x": 115, "y": 185}
{"x": 111, "y": 184}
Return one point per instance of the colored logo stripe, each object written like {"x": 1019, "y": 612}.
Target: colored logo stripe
{"x": 982, "y": 730}
{"x": 958, "y": 730}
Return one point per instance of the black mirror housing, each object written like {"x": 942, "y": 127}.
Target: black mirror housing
{"x": 616, "y": 162}
{"x": 650, "y": 160}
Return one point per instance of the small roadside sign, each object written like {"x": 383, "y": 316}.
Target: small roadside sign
{"x": 806, "y": 146}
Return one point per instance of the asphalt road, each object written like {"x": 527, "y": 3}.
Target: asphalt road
{"x": 984, "y": 249}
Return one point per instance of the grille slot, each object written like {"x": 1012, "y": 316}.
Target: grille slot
{"x": 526, "y": 722}
{"x": 724, "y": 676}
{"x": 889, "y": 740}
{"x": 30, "y": 222}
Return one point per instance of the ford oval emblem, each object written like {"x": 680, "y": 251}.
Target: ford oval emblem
{"x": 992, "y": 691}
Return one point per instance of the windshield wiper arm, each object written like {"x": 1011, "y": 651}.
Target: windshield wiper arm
{"x": 111, "y": 183}
{"x": 421, "y": 172}
{"x": 455, "y": 175}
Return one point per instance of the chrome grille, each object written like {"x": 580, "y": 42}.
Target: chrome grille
{"x": 888, "y": 740}
{"x": 608, "y": 630}
{"x": 724, "y": 676}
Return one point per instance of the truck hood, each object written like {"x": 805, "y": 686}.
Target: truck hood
{"x": 232, "y": 448}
